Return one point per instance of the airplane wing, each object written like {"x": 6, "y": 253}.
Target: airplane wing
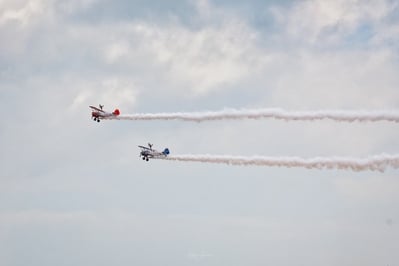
{"x": 96, "y": 109}
{"x": 144, "y": 148}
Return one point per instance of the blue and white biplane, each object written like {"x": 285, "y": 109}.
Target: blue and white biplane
{"x": 148, "y": 152}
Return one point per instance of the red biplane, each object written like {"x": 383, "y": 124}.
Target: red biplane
{"x": 98, "y": 113}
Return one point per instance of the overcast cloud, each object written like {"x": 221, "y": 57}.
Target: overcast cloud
{"x": 75, "y": 192}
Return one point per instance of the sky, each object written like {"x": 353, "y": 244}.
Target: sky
{"x": 75, "y": 192}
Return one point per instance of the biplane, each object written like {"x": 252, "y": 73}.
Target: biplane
{"x": 98, "y": 114}
{"x": 148, "y": 152}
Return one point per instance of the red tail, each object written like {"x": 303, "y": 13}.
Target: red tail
{"x": 116, "y": 112}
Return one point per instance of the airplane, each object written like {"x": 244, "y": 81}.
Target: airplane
{"x": 99, "y": 113}
{"x": 149, "y": 152}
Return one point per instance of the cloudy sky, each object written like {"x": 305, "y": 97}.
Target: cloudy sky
{"x": 75, "y": 192}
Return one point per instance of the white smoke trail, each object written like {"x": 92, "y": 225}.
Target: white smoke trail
{"x": 373, "y": 163}
{"x": 336, "y": 115}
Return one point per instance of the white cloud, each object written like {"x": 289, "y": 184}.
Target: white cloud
{"x": 316, "y": 21}
{"x": 111, "y": 92}
{"x": 116, "y": 51}
{"x": 207, "y": 59}
{"x": 72, "y": 6}
{"x": 23, "y": 12}
{"x": 337, "y": 79}
{"x": 189, "y": 60}
{"x": 194, "y": 60}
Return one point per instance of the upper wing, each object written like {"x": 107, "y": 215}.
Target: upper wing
{"x": 96, "y": 109}
{"x": 144, "y": 148}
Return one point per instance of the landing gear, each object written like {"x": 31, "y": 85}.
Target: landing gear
{"x": 146, "y": 159}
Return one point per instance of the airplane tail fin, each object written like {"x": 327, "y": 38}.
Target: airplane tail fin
{"x": 166, "y": 151}
{"x": 116, "y": 112}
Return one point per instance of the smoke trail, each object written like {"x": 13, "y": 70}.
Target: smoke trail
{"x": 373, "y": 163}
{"x": 336, "y": 115}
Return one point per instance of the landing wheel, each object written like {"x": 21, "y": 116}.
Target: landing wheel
{"x": 143, "y": 158}
{"x": 98, "y": 120}
{"x": 146, "y": 159}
